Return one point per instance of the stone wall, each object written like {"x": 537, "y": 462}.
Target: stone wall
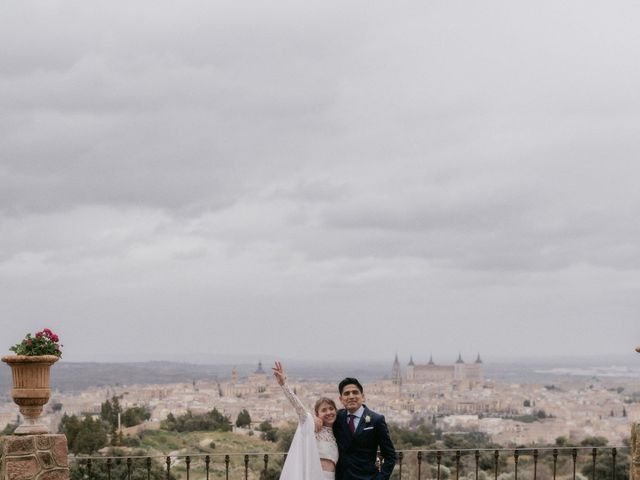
{"x": 34, "y": 457}
{"x": 634, "y": 474}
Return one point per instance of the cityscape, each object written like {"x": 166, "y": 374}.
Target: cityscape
{"x": 455, "y": 397}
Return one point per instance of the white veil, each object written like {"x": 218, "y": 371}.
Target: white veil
{"x": 303, "y": 459}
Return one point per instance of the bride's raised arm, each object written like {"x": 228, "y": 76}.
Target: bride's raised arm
{"x": 278, "y": 372}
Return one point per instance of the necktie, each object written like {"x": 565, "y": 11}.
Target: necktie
{"x": 352, "y": 425}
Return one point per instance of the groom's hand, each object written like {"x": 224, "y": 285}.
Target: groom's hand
{"x": 318, "y": 422}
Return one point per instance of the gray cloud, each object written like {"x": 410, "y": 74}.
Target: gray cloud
{"x": 452, "y": 170}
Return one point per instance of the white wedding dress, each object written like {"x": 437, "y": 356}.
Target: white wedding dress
{"x": 308, "y": 446}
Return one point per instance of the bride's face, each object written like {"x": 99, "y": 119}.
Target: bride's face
{"x": 327, "y": 414}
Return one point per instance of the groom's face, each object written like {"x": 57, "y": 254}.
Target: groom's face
{"x": 351, "y": 397}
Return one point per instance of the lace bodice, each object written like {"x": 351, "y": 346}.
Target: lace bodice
{"x": 327, "y": 446}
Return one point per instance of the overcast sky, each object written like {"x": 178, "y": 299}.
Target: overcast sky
{"x": 321, "y": 180}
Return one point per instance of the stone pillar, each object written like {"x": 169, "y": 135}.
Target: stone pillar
{"x": 34, "y": 457}
{"x": 634, "y": 465}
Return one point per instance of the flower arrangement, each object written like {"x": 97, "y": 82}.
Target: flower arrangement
{"x": 43, "y": 343}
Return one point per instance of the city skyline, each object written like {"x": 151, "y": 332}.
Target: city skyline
{"x": 326, "y": 181}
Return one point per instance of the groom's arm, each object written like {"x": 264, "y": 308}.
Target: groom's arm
{"x": 387, "y": 450}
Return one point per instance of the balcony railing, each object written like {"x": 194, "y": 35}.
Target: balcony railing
{"x": 544, "y": 463}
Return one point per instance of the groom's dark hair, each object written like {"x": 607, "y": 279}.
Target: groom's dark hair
{"x": 350, "y": 381}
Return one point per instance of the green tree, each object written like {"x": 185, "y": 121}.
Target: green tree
{"x": 83, "y": 436}
{"x": 190, "y": 422}
{"x": 473, "y": 441}
{"x": 109, "y": 411}
{"x": 604, "y": 464}
{"x": 408, "y": 438}
{"x": 594, "y": 442}
{"x": 269, "y": 432}
{"x": 244, "y": 419}
{"x": 470, "y": 440}
{"x": 70, "y": 426}
{"x": 92, "y": 436}
{"x": 135, "y": 416}
{"x": 220, "y": 421}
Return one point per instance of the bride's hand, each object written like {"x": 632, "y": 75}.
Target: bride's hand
{"x": 278, "y": 372}
{"x": 318, "y": 423}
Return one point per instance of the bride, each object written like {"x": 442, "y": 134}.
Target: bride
{"x": 312, "y": 455}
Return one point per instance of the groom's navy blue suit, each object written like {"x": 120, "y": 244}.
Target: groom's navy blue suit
{"x": 358, "y": 452}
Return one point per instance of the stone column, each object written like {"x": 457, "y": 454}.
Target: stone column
{"x": 34, "y": 457}
{"x": 634, "y": 466}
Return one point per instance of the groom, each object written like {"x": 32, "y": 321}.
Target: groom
{"x": 359, "y": 433}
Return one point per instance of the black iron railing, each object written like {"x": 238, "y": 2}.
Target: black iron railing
{"x": 544, "y": 463}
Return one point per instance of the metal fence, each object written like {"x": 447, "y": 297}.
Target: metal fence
{"x": 545, "y": 463}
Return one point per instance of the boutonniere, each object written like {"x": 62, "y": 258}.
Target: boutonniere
{"x": 367, "y": 419}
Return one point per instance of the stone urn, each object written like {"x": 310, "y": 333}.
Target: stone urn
{"x": 30, "y": 388}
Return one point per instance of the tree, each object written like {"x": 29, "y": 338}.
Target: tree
{"x": 211, "y": 421}
{"x": 421, "y": 436}
{"x": 594, "y": 442}
{"x": 109, "y": 412}
{"x": 269, "y": 432}
{"x": 603, "y": 468}
{"x": 83, "y": 436}
{"x": 70, "y": 426}
{"x": 220, "y": 421}
{"x": 244, "y": 419}
{"x": 135, "y": 416}
{"x": 471, "y": 440}
{"x": 91, "y": 437}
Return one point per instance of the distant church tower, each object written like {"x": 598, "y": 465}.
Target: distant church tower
{"x": 259, "y": 379}
{"x": 396, "y": 376}
{"x": 411, "y": 370}
{"x": 458, "y": 368}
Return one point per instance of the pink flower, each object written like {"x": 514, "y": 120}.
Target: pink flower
{"x": 38, "y": 334}
{"x": 54, "y": 337}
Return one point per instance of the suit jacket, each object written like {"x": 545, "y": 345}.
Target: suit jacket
{"x": 358, "y": 452}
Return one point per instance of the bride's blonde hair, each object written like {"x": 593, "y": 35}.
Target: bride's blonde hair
{"x": 324, "y": 400}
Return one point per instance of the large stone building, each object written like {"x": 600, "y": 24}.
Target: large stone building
{"x": 459, "y": 372}
{"x": 256, "y": 382}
